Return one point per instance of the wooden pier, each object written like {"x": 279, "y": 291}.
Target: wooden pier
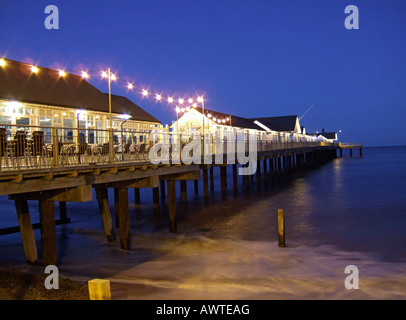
{"x": 76, "y": 183}
{"x": 350, "y": 147}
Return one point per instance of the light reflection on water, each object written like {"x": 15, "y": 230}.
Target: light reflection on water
{"x": 350, "y": 211}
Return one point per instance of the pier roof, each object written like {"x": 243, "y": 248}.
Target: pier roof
{"x": 46, "y": 86}
{"x": 281, "y": 123}
{"x": 235, "y": 121}
{"x": 327, "y": 135}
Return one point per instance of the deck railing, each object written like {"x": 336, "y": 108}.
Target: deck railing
{"x": 35, "y": 147}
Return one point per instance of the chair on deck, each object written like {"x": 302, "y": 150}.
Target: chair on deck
{"x": 144, "y": 151}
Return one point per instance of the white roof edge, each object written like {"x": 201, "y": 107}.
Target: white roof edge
{"x": 262, "y": 126}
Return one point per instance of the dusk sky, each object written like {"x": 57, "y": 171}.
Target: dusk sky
{"x": 249, "y": 58}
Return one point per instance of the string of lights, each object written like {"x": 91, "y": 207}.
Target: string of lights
{"x": 185, "y": 104}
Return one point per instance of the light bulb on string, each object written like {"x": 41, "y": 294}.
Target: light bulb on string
{"x": 130, "y": 86}
{"x": 85, "y": 75}
{"x": 145, "y": 92}
{"x": 34, "y": 69}
{"x": 181, "y": 101}
{"x": 158, "y": 97}
{"x": 170, "y": 99}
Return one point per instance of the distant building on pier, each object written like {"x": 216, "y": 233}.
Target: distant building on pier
{"x": 325, "y": 136}
{"x": 281, "y": 129}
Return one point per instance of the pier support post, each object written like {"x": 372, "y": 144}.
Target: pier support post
{"x": 27, "y": 233}
{"x": 155, "y": 199}
{"x": 196, "y": 183}
{"x": 162, "y": 189}
{"x": 47, "y": 218}
{"x": 265, "y": 168}
{"x": 172, "y": 205}
{"x": 211, "y": 178}
{"x": 137, "y": 198}
{"x": 63, "y": 215}
{"x": 247, "y": 177}
{"x": 223, "y": 177}
{"x": 102, "y": 199}
{"x": 258, "y": 171}
{"x": 121, "y": 207}
{"x": 281, "y": 227}
{"x": 183, "y": 190}
{"x": 205, "y": 183}
{"x": 235, "y": 182}
{"x": 350, "y": 152}
{"x": 360, "y": 152}
{"x": 271, "y": 167}
{"x": 116, "y": 209}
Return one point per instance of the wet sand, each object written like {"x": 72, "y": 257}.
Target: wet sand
{"x": 17, "y": 285}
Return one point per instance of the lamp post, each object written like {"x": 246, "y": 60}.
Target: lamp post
{"x": 111, "y": 154}
{"x": 201, "y": 100}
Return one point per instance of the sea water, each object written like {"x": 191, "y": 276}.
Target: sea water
{"x": 350, "y": 211}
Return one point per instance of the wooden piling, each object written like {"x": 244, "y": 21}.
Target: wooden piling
{"x": 155, "y": 199}
{"x": 102, "y": 200}
{"x": 172, "y": 205}
{"x": 27, "y": 233}
{"x": 272, "y": 167}
{"x": 124, "y": 217}
{"x": 116, "y": 208}
{"x": 281, "y": 227}
{"x": 196, "y": 184}
{"x": 235, "y": 181}
{"x": 183, "y": 190}
{"x": 360, "y": 152}
{"x": 212, "y": 178}
{"x": 223, "y": 174}
{"x": 162, "y": 189}
{"x": 205, "y": 183}
{"x": 63, "y": 215}
{"x": 350, "y": 152}
{"x": 258, "y": 171}
{"x": 47, "y": 218}
{"x": 137, "y": 197}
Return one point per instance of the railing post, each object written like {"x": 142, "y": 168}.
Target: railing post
{"x": 55, "y": 147}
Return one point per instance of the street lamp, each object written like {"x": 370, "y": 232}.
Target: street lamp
{"x": 111, "y": 155}
{"x": 201, "y": 100}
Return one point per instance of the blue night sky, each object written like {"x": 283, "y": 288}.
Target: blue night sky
{"x": 249, "y": 58}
